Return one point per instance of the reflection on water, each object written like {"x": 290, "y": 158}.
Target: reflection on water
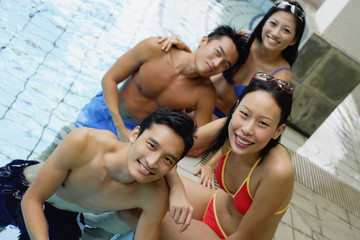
{"x": 335, "y": 145}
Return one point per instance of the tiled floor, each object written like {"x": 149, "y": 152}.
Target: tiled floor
{"x": 335, "y": 144}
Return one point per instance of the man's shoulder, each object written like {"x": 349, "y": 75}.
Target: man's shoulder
{"x": 86, "y": 133}
{"x": 157, "y": 184}
{"x": 157, "y": 188}
{"x": 154, "y": 194}
{"x": 88, "y": 139}
{"x": 147, "y": 49}
{"x": 206, "y": 86}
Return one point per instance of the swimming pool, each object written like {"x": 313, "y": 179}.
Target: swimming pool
{"x": 55, "y": 53}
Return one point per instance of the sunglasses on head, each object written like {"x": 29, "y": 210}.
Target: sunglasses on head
{"x": 293, "y": 9}
{"x": 284, "y": 85}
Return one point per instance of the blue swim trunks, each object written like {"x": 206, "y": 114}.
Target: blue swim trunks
{"x": 13, "y": 184}
{"x": 97, "y": 115}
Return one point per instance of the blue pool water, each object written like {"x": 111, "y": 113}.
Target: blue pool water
{"x": 53, "y": 55}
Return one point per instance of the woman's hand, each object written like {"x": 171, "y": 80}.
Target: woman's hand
{"x": 172, "y": 41}
{"x": 206, "y": 176}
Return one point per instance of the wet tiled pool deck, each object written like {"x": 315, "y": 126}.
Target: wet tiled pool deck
{"x": 53, "y": 55}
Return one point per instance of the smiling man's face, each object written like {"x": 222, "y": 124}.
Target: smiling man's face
{"x": 154, "y": 153}
{"x": 215, "y": 56}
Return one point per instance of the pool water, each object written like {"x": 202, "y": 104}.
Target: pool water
{"x": 53, "y": 55}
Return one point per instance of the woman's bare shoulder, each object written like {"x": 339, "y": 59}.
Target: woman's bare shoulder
{"x": 278, "y": 161}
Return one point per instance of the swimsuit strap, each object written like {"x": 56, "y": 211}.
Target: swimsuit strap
{"x": 219, "y": 113}
{"x": 247, "y": 179}
{"x": 227, "y": 154}
{"x": 281, "y": 211}
{"x": 280, "y": 69}
{"x": 247, "y": 36}
{"x": 249, "y": 176}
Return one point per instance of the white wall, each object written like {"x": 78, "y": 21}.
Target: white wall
{"x": 338, "y": 22}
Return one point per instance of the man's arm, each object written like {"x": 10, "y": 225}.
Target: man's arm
{"x": 126, "y": 65}
{"x": 180, "y": 208}
{"x": 206, "y": 104}
{"x": 50, "y": 176}
{"x": 154, "y": 203}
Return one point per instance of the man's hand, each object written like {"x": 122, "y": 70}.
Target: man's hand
{"x": 180, "y": 209}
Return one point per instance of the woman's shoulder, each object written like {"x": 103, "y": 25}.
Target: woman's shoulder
{"x": 279, "y": 152}
{"x": 278, "y": 161}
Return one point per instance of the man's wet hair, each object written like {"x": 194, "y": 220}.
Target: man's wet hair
{"x": 241, "y": 44}
{"x": 178, "y": 121}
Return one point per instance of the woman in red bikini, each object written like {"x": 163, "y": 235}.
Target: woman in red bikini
{"x": 256, "y": 174}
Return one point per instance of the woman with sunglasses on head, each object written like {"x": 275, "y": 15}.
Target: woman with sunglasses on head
{"x": 256, "y": 174}
{"x": 274, "y": 47}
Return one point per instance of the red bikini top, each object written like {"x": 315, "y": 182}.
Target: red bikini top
{"x": 242, "y": 197}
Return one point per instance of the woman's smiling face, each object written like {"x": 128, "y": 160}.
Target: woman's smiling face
{"x": 254, "y": 123}
{"x": 279, "y": 31}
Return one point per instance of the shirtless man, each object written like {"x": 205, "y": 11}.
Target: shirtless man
{"x": 91, "y": 171}
{"x": 153, "y": 78}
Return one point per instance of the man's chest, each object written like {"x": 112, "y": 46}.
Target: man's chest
{"x": 99, "y": 197}
{"x": 167, "y": 89}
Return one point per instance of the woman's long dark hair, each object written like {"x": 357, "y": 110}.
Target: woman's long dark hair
{"x": 291, "y": 52}
{"x": 282, "y": 98}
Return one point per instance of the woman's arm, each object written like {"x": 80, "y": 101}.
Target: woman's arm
{"x": 205, "y": 136}
{"x": 207, "y": 170}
